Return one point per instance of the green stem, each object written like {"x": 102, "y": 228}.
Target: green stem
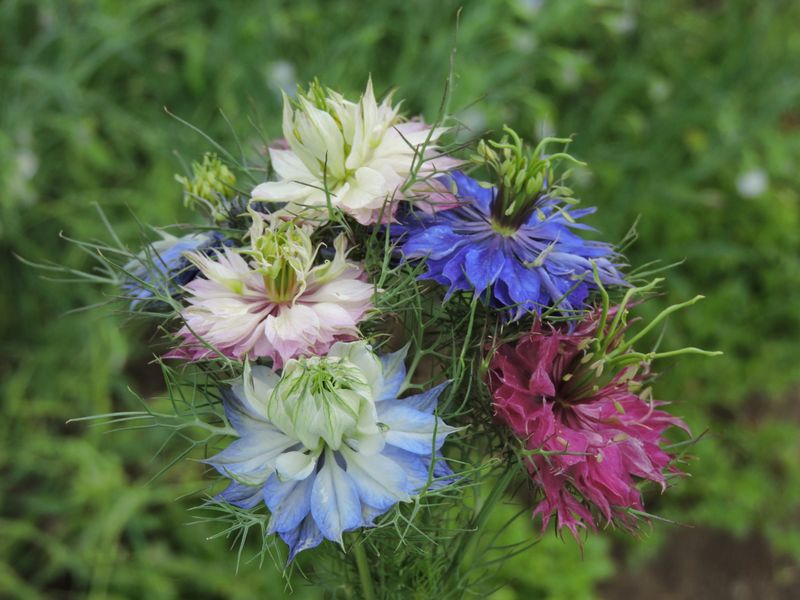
{"x": 363, "y": 572}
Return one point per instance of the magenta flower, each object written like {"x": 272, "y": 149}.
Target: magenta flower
{"x": 592, "y": 434}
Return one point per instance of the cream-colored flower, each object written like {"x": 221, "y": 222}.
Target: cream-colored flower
{"x": 355, "y": 156}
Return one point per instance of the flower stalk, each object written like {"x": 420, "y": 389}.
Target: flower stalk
{"x": 364, "y": 575}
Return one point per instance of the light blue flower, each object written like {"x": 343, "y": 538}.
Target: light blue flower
{"x": 327, "y": 445}
{"x": 162, "y": 265}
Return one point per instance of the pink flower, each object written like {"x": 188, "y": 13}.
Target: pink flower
{"x": 276, "y": 305}
{"x": 592, "y": 434}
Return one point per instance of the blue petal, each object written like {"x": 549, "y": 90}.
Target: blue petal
{"x": 426, "y": 401}
{"x": 238, "y": 494}
{"x": 433, "y": 242}
{"x": 452, "y": 269}
{"x": 394, "y": 373}
{"x": 370, "y": 513}
{"x": 288, "y": 501}
{"x": 380, "y": 481}
{"x": 241, "y": 419}
{"x": 411, "y": 429}
{"x": 442, "y": 472}
{"x": 470, "y": 189}
{"x": 334, "y": 500}
{"x": 304, "y": 537}
{"x": 521, "y": 287}
{"x": 415, "y": 466}
{"x": 483, "y": 264}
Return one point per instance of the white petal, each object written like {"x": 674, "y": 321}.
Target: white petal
{"x": 295, "y": 465}
{"x": 257, "y": 384}
{"x": 288, "y": 165}
{"x": 281, "y": 191}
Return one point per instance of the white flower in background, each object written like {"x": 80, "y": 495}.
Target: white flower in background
{"x": 752, "y": 183}
{"x": 356, "y": 155}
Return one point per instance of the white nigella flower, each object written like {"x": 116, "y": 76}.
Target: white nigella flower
{"x": 362, "y": 153}
{"x": 327, "y": 445}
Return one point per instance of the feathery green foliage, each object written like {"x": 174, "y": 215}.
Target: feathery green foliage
{"x": 677, "y": 106}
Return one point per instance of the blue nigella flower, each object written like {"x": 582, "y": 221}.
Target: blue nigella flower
{"x": 527, "y": 263}
{"x": 163, "y": 265}
{"x": 327, "y": 445}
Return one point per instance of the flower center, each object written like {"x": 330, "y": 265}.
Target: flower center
{"x": 283, "y": 255}
{"x": 523, "y": 179}
{"x": 503, "y": 229}
{"x": 282, "y": 287}
{"x": 323, "y": 400}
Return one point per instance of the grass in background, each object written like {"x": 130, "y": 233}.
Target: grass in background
{"x": 686, "y": 112}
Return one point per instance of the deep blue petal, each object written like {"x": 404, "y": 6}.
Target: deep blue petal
{"x": 482, "y": 265}
{"x": 453, "y": 270}
{"x": 470, "y": 190}
{"x": 523, "y": 285}
{"x": 432, "y": 242}
{"x": 466, "y": 253}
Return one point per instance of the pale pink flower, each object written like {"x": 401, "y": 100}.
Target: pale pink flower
{"x": 274, "y": 305}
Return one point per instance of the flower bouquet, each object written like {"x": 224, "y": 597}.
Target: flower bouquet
{"x": 376, "y": 337}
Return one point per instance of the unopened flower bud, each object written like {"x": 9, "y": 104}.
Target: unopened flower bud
{"x": 212, "y": 182}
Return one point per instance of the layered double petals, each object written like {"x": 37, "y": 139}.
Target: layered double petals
{"x": 322, "y": 472}
{"x": 355, "y": 156}
{"x": 232, "y": 312}
{"x": 542, "y": 264}
{"x": 591, "y": 440}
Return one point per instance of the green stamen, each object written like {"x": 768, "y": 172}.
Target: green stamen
{"x": 523, "y": 178}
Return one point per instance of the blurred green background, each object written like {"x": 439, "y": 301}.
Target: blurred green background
{"x": 688, "y": 113}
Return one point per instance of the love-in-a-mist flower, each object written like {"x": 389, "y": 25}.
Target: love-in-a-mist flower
{"x": 328, "y": 446}
{"x": 357, "y": 156}
{"x": 271, "y": 300}
{"x": 513, "y": 243}
{"x": 593, "y": 432}
{"x": 162, "y": 268}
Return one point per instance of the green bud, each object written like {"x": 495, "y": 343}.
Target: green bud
{"x": 212, "y": 181}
